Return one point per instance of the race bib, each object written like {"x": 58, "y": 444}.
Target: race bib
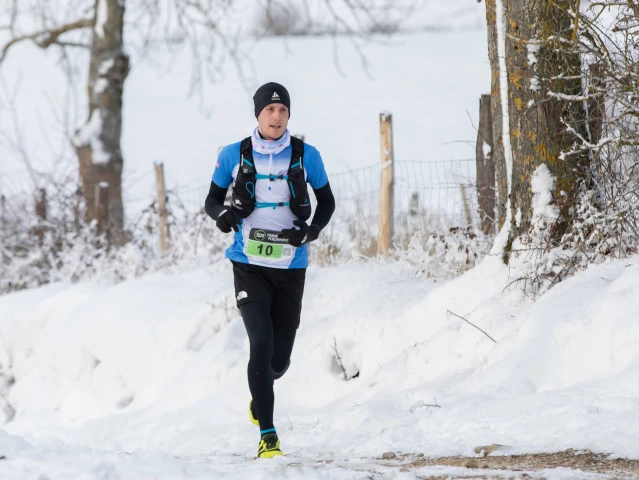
{"x": 268, "y": 245}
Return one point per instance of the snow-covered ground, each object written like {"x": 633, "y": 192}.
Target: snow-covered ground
{"x": 146, "y": 379}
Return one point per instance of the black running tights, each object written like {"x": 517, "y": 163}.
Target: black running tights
{"x": 270, "y": 357}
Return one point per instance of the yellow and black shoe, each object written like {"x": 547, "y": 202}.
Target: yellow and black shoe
{"x": 269, "y": 446}
{"x": 253, "y": 414}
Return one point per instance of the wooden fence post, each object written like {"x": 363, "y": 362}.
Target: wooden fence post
{"x": 164, "y": 228}
{"x": 101, "y": 206}
{"x": 41, "y": 214}
{"x": 486, "y": 168}
{"x": 387, "y": 183}
{"x": 41, "y": 204}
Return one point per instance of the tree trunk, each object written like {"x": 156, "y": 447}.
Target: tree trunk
{"x": 498, "y": 156}
{"x": 98, "y": 142}
{"x": 544, "y": 69}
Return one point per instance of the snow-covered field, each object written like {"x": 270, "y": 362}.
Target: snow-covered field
{"x": 146, "y": 379}
{"x": 430, "y": 82}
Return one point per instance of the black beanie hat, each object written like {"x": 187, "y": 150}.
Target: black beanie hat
{"x": 271, "y": 93}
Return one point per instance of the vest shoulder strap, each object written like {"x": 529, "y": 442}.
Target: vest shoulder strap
{"x": 298, "y": 151}
{"x": 246, "y": 149}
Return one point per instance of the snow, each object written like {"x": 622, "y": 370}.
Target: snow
{"x": 487, "y": 150}
{"x": 533, "y": 46}
{"x": 534, "y": 84}
{"x": 89, "y": 134}
{"x": 101, "y": 17}
{"x": 542, "y": 184}
{"x": 105, "y": 66}
{"x": 102, "y": 83}
{"x": 150, "y": 375}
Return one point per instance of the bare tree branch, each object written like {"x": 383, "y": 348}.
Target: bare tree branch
{"x": 46, "y": 38}
{"x": 470, "y": 323}
{"x": 18, "y": 143}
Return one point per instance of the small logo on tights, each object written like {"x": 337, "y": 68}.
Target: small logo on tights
{"x": 241, "y": 295}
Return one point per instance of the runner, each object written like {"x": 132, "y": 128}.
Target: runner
{"x": 269, "y": 213}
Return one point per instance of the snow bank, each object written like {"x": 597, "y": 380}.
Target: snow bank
{"x": 157, "y": 364}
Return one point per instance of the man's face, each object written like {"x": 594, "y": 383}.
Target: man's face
{"x": 273, "y": 120}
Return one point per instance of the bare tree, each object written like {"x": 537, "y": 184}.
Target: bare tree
{"x": 546, "y": 93}
{"x": 609, "y": 41}
{"x": 543, "y": 65}
{"x": 98, "y": 141}
{"x": 573, "y": 91}
{"x": 98, "y": 26}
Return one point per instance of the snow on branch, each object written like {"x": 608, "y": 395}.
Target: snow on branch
{"x": 568, "y": 98}
{"x": 619, "y": 28}
{"x": 609, "y": 4}
{"x": 101, "y": 17}
{"x": 586, "y": 144}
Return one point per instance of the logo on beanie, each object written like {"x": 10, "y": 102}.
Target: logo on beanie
{"x": 275, "y": 96}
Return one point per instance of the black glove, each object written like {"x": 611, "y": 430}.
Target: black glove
{"x": 301, "y": 236}
{"x": 227, "y": 219}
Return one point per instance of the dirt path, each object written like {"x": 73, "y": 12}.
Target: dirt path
{"x": 520, "y": 466}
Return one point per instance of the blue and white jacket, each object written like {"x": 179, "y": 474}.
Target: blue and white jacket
{"x": 270, "y": 219}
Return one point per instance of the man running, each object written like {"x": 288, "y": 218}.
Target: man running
{"x": 269, "y": 213}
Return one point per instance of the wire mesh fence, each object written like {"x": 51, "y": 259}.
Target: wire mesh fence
{"x": 430, "y": 199}
{"x": 438, "y": 194}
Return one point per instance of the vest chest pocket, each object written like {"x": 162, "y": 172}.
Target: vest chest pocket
{"x": 300, "y": 202}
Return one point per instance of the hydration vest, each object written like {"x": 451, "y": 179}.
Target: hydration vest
{"x": 244, "y": 201}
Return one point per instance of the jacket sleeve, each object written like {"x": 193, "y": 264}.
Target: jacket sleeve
{"x": 325, "y": 206}
{"x": 214, "y": 202}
